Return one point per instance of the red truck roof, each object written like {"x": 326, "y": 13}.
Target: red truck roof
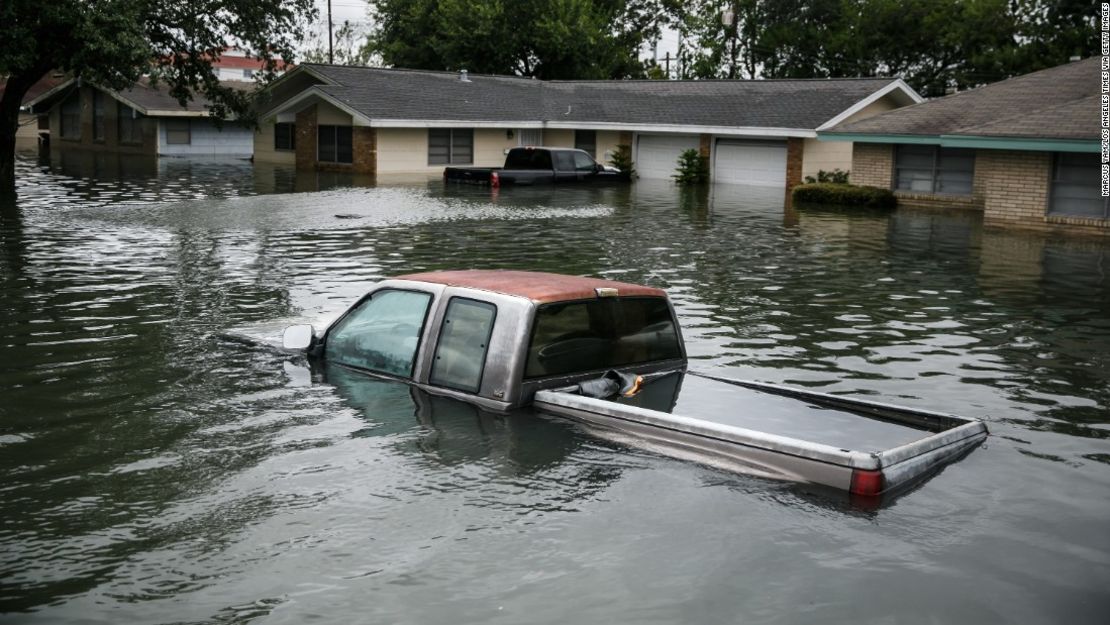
{"x": 537, "y": 286}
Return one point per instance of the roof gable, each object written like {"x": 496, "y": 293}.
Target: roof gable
{"x": 1055, "y": 103}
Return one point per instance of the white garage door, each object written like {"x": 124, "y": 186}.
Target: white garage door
{"x": 657, "y": 155}
{"x": 757, "y": 163}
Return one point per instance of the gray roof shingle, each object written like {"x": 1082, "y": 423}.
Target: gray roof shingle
{"x": 424, "y": 95}
{"x": 1055, "y": 103}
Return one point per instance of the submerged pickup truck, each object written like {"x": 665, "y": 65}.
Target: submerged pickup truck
{"x": 610, "y": 355}
{"x": 534, "y": 165}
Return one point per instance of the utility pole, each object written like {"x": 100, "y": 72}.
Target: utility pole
{"x": 667, "y": 64}
{"x": 331, "y": 52}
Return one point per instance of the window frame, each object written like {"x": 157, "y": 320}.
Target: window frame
{"x": 334, "y": 128}
{"x": 485, "y": 354}
{"x": 432, "y": 301}
{"x": 188, "y": 131}
{"x": 532, "y": 337}
{"x": 292, "y": 136}
{"x": 99, "y": 129}
{"x": 133, "y": 125}
{"x": 1053, "y": 178}
{"x": 74, "y": 126}
{"x": 451, "y": 159}
{"x": 935, "y": 169}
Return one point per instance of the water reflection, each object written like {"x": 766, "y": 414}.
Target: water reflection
{"x": 150, "y": 471}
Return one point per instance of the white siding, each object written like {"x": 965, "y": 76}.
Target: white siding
{"x": 206, "y": 140}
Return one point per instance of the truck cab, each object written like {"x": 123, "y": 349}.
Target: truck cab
{"x": 497, "y": 337}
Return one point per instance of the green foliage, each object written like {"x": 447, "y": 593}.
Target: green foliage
{"x": 693, "y": 168}
{"x": 549, "y": 39}
{"x": 114, "y": 42}
{"x": 622, "y": 159}
{"x": 843, "y": 194}
{"x": 835, "y": 176}
{"x": 932, "y": 44}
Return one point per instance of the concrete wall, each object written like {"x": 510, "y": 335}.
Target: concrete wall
{"x": 205, "y": 139}
{"x": 832, "y": 155}
{"x": 264, "y": 151}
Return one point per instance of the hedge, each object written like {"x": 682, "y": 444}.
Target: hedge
{"x": 844, "y": 194}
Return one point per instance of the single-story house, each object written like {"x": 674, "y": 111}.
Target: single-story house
{"x": 378, "y": 121}
{"x": 1025, "y": 151}
{"x": 144, "y": 119}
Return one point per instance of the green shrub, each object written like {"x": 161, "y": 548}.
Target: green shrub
{"x": 836, "y": 176}
{"x": 622, "y": 159}
{"x": 693, "y": 168}
{"x": 844, "y": 194}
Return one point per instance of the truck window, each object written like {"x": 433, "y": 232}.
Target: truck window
{"x": 583, "y": 162}
{"x": 574, "y": 337}
{"x": 564, "y": 161}
{"x": 521, "y": 158}
{"x": 463, "y": 342}
{"x": 382, "y": 333}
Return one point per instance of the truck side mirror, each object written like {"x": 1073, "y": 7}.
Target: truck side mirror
{"x": 299, "y": 337}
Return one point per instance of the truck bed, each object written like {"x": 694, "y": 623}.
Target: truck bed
{"x": 866, "y": 448}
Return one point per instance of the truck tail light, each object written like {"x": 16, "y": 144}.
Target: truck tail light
{"x": 494, "y": 180}
{"x": 866, "y": 483}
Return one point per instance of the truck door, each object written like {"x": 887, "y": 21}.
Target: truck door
{"x": 584, "y": 166}
{"x": 564, "y": 166}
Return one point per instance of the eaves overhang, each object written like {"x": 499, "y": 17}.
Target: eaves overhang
{"x": 1028, "y": 144}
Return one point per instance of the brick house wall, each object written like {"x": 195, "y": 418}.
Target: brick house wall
{"x": 306, "y": 138}
{"x": 873, "y": 164}
{"x": 1014, "y": 185}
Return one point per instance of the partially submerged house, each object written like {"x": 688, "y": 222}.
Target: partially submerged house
{"x": 144, "y": 119}
{"x": 1025, "y": 151}
{"x": 378, "y": 121}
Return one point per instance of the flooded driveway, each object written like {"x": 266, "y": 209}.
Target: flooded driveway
{"x": 153, "y": 473}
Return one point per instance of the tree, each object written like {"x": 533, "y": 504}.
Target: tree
{"x": 348, "y": 46}
{"x": 549, "y": 39}
{"x": 114, "y": 42}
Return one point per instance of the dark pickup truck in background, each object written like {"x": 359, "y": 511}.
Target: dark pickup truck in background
{"x": 534, "y": 165}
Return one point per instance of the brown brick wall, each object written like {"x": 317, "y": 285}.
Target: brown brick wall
{"x": 1014, "y": 185}
{"x": 365, "y": 146}
{"x": 795, "y": 153}
{"x": 110, "y": 142}
{"x": 873, "y": 164}
{"x": 705, "y": 143}
{"x": 306, "y": 138}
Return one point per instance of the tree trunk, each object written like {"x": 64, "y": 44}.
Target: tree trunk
{"x": 16, "y": 88}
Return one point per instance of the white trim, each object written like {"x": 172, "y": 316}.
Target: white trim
{"x": 357, "y": 119}
{"x": 686, "y": 129}
{"x": 897, "y": 84}
{"x": 454, "y": 123}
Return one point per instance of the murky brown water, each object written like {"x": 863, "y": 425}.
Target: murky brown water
{"x": 153, "y": 473}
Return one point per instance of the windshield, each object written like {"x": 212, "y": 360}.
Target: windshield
{"x": 602, "y": 333}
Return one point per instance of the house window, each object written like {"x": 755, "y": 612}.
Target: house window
{"x": 463, "y": 343}
{"x": 450, "y": 146}
{"x": 932, "y": 169}
{"x": 586, "y": 140}
{"x": 530, "y": 136}
{"x": 285, "y": 136}
{"x": 98, "y": 116}
{"x": 1076, "y": 190}
{"x": 130, "y": 129}
{"x": 177, "y": 132}
{"x": 248, "y": 74}
{"x": 334, "y": 144}
{"x": 71, "y": 116}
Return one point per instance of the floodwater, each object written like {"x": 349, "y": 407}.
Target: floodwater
{"x": 154, "y": 473}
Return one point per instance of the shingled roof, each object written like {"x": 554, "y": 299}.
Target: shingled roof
{"x": 1060, "y": 103}
{"x": 380, "y": 94}
{"x": 143, "y": 97}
